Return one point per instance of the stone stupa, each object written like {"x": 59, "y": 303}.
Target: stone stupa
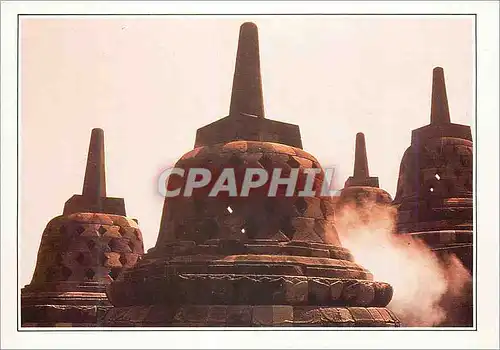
{"x": 80, "y": 253}
{"x": 434, "y": 195}
{"x": 434, "y": 192}
{"x": 248, "y": 261}
{"x": 361, "y": 188}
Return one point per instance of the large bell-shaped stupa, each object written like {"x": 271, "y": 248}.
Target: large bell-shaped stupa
{"x": 255, "y": 260}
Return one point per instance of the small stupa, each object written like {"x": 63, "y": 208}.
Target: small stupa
{"x": 80, "y": 253}
{"x": 361, "y": 188}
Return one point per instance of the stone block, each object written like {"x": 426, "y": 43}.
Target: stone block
{"x": 296, "y": 291}
{"x": 319, "y": 291}
{"x": 217, "y": 315}
{"x": 361, "y": 316}
{"x": 272, "y": 315}
{"x": 336, "y": 289}
{"x": 383, "y": 294}
{"x": 191, "y": 314}
{"x": 239, "y": 315}
{"x": 307, "y": 316}
{"x": 358, "y": 293}
{"x": 221, "y": 289}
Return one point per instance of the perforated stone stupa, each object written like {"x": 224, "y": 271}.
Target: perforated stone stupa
{"x": 253, "y": 261}
{"x": 434, "y": 192}
{"x": 80, "y": 253}
{"x": 361, "y": 188}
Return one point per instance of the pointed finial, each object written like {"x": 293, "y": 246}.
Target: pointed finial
{"x": 361, "y": 175}
{"x": 94, "y": 184}
{"x": 440, "y": 113}
{"x": 360, "y": 158}
{"x": 93, "y": 198}
{"x": 246, "y": 96}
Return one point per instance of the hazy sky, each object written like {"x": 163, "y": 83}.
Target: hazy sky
{"x": 150, "y": 82}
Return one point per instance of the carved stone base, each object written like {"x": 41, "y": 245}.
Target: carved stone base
{"x": 63, "y": 309}
{"x": 270, "y": 284}
{"x": 250, "y": 316}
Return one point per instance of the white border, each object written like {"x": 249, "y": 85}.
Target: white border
{"x": 486, "y": 335}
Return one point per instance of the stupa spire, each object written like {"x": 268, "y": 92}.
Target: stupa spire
{"x": 94, "y": 184}
{"x": 94, "y": 198}
{"x": 361, "y": 175}
{"x": 81, "y": 252}
{"x": 360, "y": 158}
{"x": 440, "y": 113}
{"x": 246, "y": 96}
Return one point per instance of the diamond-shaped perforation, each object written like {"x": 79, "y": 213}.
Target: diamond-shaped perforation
{"x": 91, "y": 244}
{"x": 80, "y": 229}
{"x": 89, "y": 273}
{"x": 286, "y": 227}
{"x": 266, "y": 162}
{"x": 293, "y": 163}
{"x": 301, "y": 205}
{"x": 50, "y": 274}
{"x": 65, "y": 273}
{"x": 113, "y": 244}
{"x": 102, "y": 230}
{"x": 80, "y": 259}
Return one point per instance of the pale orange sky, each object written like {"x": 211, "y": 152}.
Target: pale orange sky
{"x": 150, "y": 82}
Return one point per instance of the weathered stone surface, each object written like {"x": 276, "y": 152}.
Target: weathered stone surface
{"x": 81, "y": 252}
{"x": 434, "y": 193}
{"x": 272, "y": 315}
{"x": 359, "y": 293}
{"x": 319, "y": 291}
{"x": 256, "y": 260}
{"x": 324, "y": 316}
{"x": 250, "y": 315}
{"x": 361, "y": 189}
{"x": 51, "y": 314}
{"x": 435, "y": 181}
